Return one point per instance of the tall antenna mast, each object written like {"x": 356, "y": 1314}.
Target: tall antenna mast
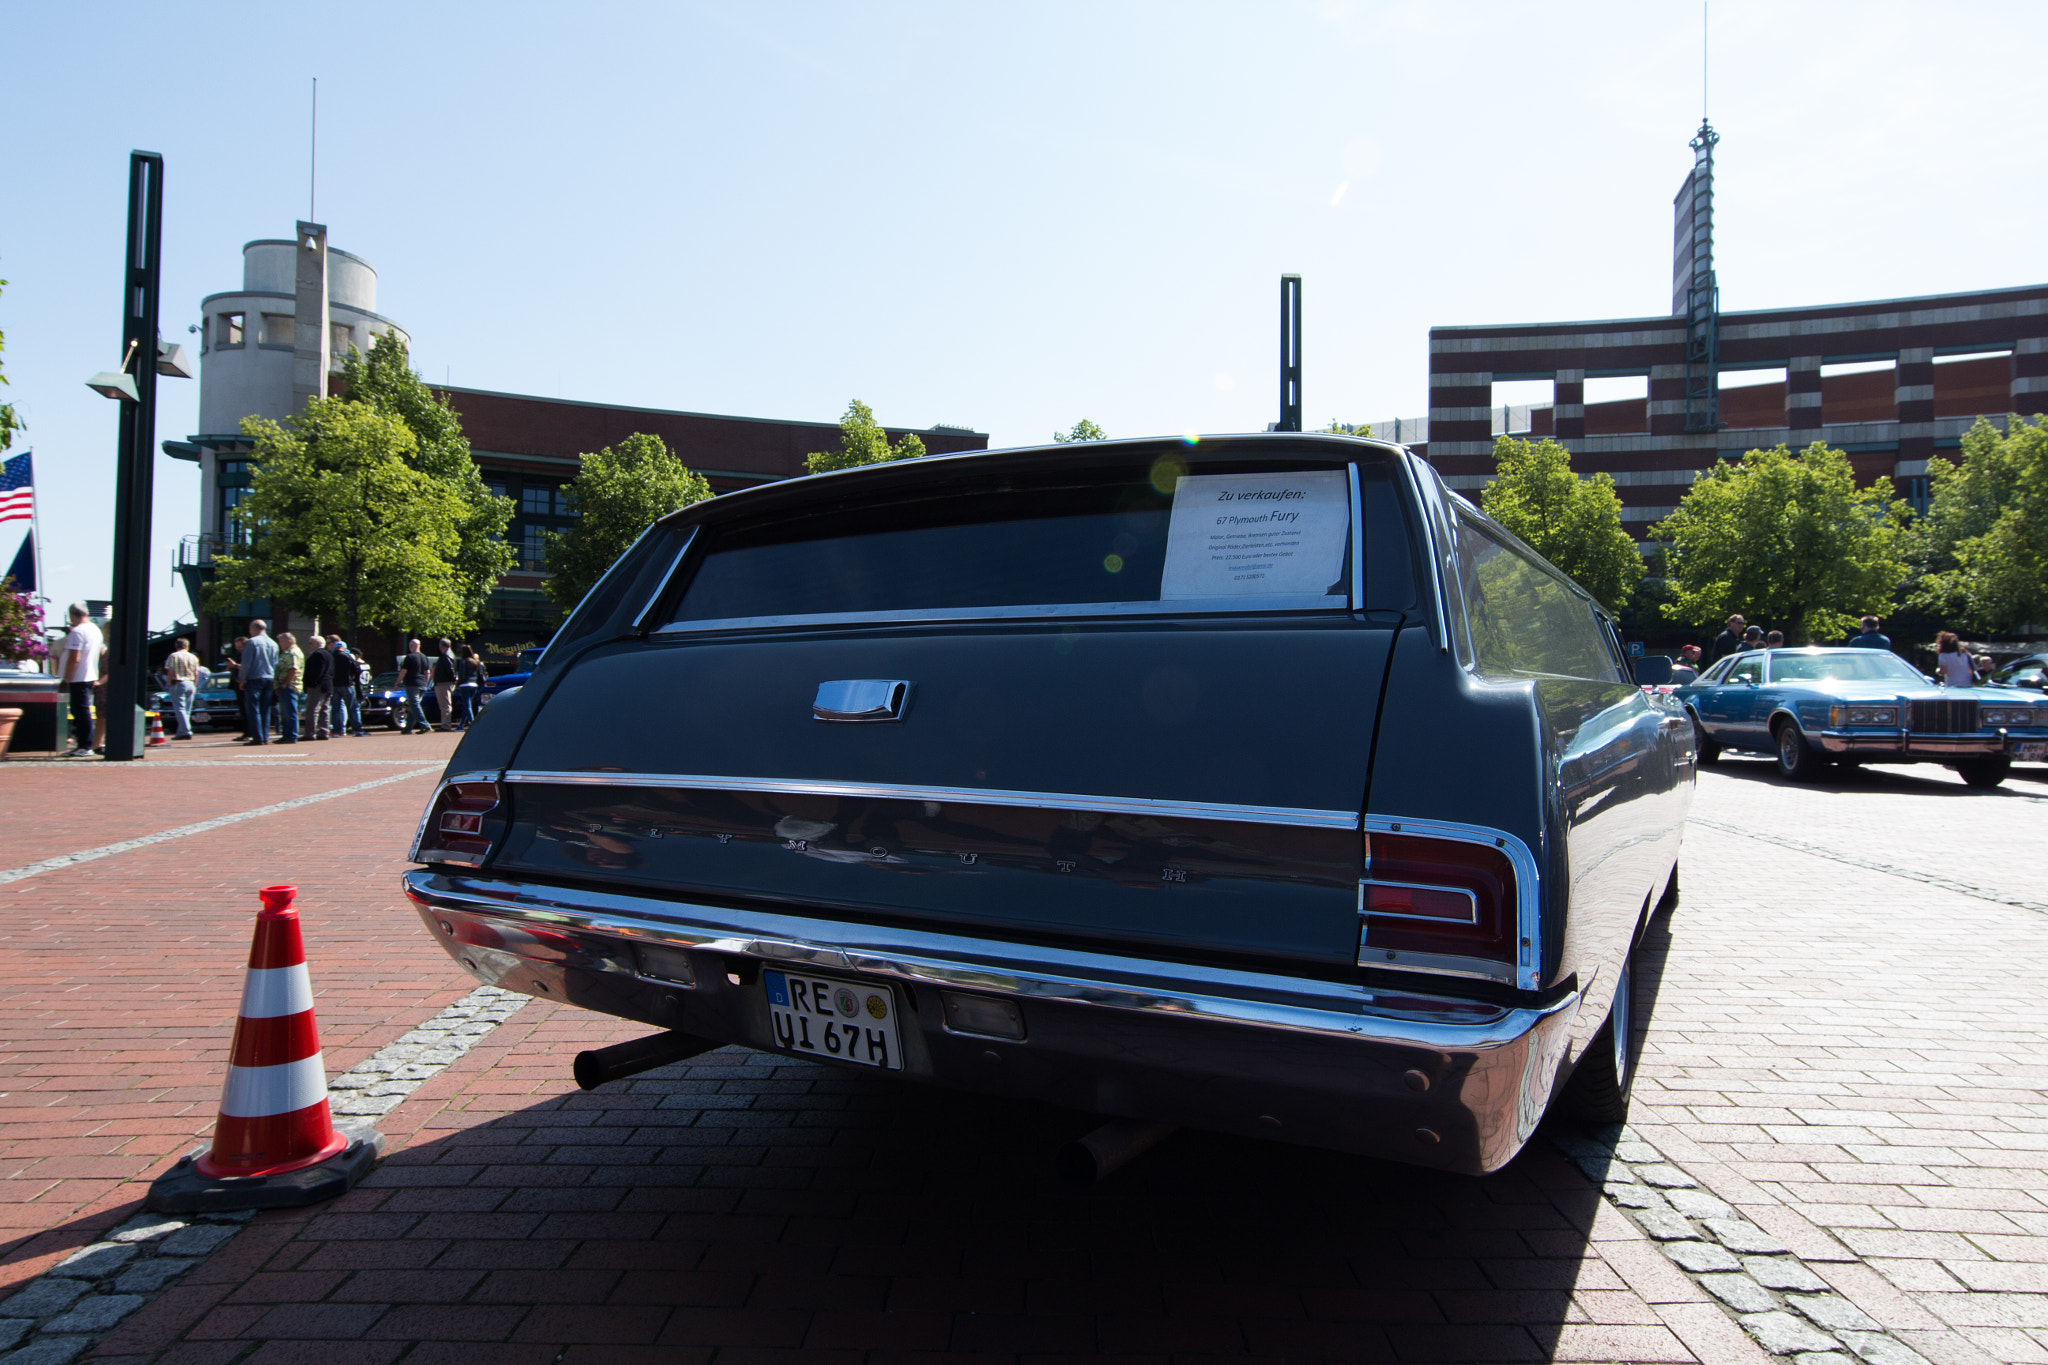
{"x": 313, "y": 158}
{"x": 1703, "y": 60}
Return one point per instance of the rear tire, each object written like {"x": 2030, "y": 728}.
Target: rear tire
{"x": 1709, "y": 751}
{"x": 1796, "y": 758}
{"x": 1598, "y": 1091}
{"x": 1985, "y": 773}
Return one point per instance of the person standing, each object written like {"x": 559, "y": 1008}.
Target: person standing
{"x": 79, "y": 667}
{"x": 469, "y": 686}
{"x": 259, "y": 681}
{"x": 232, "y": 662}
{"x": 1727, "y": 642}
{"x": 348, "y": 710}
{"x": 1775, "y": 640}
{"x": 1952, "y": 665}
{"x": 444, "y": 683}
{"x": 183, "y": 671}
{"x": 318, "y": 680}
{"x": 413, "y": 672}
{"x": 1871, "y": 637}
{"x": 291, "y": 675}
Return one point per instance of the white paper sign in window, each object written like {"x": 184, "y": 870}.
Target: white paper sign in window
{"x": 1257, "y": 535}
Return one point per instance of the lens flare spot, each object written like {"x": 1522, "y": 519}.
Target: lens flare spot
{"x": 1167, "y": 471}
{"x": 1113, "y": 563}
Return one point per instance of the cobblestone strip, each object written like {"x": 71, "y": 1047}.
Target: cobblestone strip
{"x": 1790, "y": 1311}
{"x": 1942, "y": 880}
{"x": 55, "y": 1317}
{"x": 15, "y": 874}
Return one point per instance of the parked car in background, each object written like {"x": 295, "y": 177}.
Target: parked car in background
{"x": 523, "y": 664}
{"x": 1812, "y": 707}
{"x": 2029, "y": 671}
{"x": 386, "y": 702}
{"x": 1256, "y": 783}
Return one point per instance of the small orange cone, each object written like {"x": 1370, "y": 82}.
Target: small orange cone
{"x": 156, "y": 730}
{"x": 275, "y": 1144}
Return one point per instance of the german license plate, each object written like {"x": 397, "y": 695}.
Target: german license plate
{"x": 843, "y": 1021}
{"x": 2031, "y": 751}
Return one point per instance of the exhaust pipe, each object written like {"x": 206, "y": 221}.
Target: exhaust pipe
{"x": 620, "y": 1060}
{"x": 1086, "y": 1160}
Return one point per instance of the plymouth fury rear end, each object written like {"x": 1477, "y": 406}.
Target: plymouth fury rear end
{"x": 1255, "y": 783}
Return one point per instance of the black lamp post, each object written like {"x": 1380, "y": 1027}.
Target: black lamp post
{"x": 135, "y": 466}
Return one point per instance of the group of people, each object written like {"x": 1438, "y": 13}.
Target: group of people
{"x": 316, "y": 690}
{"x": 456, "y": 675}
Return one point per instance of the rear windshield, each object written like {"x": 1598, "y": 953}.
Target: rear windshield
{"x": 1245, "y": 536}
{"x": 1859, "y": 665}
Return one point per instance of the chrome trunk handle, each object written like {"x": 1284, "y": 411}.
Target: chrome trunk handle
{"x": 861, "y": 699}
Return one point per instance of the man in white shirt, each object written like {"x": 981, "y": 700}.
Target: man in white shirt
{"x": 184, "y": 672}
{"x": 80, "y": 669}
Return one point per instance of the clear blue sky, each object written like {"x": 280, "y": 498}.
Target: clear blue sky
{"x": 1005, "y": 217}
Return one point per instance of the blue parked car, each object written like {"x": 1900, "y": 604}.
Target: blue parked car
{"x": 1813, "y": 707}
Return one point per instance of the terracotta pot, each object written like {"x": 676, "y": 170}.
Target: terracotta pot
{"x": 8, "y": 715}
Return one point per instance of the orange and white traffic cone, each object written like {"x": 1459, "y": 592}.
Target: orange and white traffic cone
{"x": 275, "y": 1144}
{"x": 156, "y": 730}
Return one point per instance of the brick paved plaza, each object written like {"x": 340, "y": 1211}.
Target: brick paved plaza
{"x": 1849, "y": 1045}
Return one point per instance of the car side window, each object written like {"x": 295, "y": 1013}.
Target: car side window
{"x": 1523, "y": 617}
{"x": 1748, "y": 670}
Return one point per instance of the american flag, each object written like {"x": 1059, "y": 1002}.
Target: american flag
{"x": 17, "y": 488}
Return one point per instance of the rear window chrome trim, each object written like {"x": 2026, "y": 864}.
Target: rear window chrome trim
{"x": 1305, "y": 817}
{"x": 639, "y": 626}
{"x": 1194, "y": 606}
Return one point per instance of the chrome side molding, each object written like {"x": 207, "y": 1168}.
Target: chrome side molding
{"x": 1307, "y": 818}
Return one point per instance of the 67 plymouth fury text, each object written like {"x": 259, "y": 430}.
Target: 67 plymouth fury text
{"x": 1257, "y": 783}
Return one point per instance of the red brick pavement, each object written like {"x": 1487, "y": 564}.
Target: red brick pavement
{"x": 760, "y": 1210}
{"x": 119, "y": 979}
{"x": 1854, "y": 1060}
{"x": 1859, "y": 1061}
{"x": 54, "y": 807}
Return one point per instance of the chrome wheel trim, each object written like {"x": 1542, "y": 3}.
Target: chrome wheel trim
{"x": 1620, "y": 1024}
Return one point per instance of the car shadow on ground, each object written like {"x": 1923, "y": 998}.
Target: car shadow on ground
{"x": 746, "y": 1199}
{"x": 1919, "y": 779}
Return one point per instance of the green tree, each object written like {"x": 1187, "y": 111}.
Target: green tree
{"x": 1980, "y": 555}
{"x": 1574, "y": 523}
{"x": 617, "y": 494}
{"x": 1337, "y": 428}
{"x": 1786, "y": 539}
{"x": 9, "y": 423}
{"x": 339, "y": 521}
{"x": 384, "y": 380}
{"x": 862, "y": 441}
{"x": 1083, "y": 430}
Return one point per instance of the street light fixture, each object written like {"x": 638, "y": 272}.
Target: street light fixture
{"x": 116, "y": 383}
{"x": 134, "y": 466}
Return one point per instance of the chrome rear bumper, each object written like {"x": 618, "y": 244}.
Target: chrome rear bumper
{"x": 1433, "y": 1080}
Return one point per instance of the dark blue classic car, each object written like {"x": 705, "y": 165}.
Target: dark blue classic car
{"x": 1813, "y": 707}
{"x": 1257, "y": 783}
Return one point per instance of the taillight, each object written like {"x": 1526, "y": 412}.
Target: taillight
{"x": 457, "y": 827}
{"x": 1444, "y": 906}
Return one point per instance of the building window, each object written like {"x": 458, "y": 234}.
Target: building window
{"x": 1914, "y": 490}
{"x": 338, "y": 340}
{"x": 228, "y": 330}
{"x": 533, "y": 548}
{"x": 279, "y": 329}
{"x": 231, "y": 484}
